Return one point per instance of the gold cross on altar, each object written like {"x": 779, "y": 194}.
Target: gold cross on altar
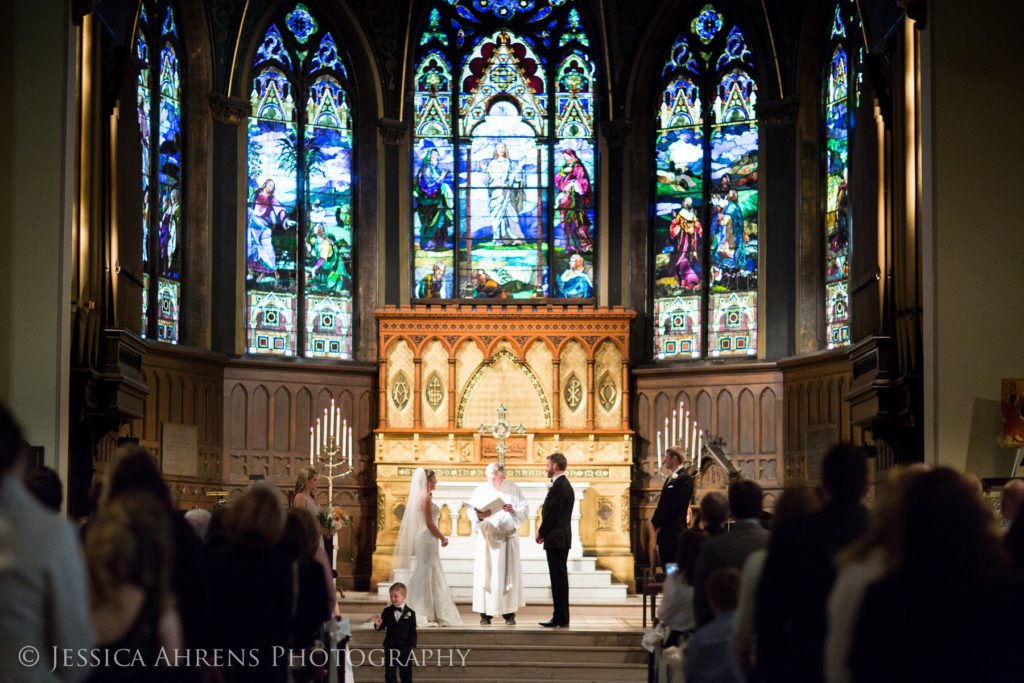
{"x": 500, "y": 431}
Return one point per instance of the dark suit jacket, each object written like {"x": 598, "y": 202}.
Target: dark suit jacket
{"x": 556, "y": 514}
{"x": 728, "y": 550}
{"x": 401, "y": 634}
{"x": 670, "y": 515}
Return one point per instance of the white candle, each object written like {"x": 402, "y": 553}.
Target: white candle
{"x": 318, "y": 441}
{"x": 675, "y": 420}
{"x": 679, "y": 417}
{"x": 337, "y": 421}
{"x": 667, "y": 444}
{"x": 659, "y": 449}
{"x": 693, "y": 441}
{"x": 686, "y": 432}
{"x": 350, "y": 447}
{"x": 698, "y": 448}
{"x": 312, "y": 446}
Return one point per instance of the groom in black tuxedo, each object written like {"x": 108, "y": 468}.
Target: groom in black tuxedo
{"x": 399, "y": 622}
{"x": 556, "y": 535}
{"x": 669, "y": 517}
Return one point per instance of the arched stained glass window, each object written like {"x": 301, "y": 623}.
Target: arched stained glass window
{"x": 503, "y": 151}
{"x": 160, "y": 115}
{"x": 838, "y": 117}
{"x": 299, "y": 234}
{"x": 705, "y": 216}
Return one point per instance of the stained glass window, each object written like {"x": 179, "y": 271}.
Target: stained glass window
{"x": 706, "y": 259}
{"x": 838, "y": 119}
{"x": 503, "y": 151}
{"x": 299, "y": 237}
{"x": 157, "y": 47}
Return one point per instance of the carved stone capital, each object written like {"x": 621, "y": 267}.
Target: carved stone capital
{"x": 778, "y": 112}
{"x": 392, "y": 131}
{"x": 615, "y": 132}
{"x": 230, "y": 110}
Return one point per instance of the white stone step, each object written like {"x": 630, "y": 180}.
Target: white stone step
{"x": 577, "y": 594}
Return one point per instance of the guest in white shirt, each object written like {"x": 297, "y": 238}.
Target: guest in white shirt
{"x": 42, "y": 578}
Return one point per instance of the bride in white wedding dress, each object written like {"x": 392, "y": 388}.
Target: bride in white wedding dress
{"x": 417, "y": 551}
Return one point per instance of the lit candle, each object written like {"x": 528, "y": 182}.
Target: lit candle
{"x": 350, "y": 447}
{"x": 675, "y": 420}
{"x": 659, "y": 449}
{"x": 686, "y": 432}
{"x": 337, "y": 421}
{"x": 667, "y": 444}
{"x": 679, "y": 417}
{"x": 699, "y": 436}
{"x": 318, "y": 441}
{"x": 327, "y": 428}
{"x": 334, "y": 430}
{"x": 312, "y": 446}
{"x": 693, "y": 442}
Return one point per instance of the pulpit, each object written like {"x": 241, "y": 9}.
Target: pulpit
{"x": 559, "y": 371}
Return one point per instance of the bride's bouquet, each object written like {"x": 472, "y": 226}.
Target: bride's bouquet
{"x": 332, "y": 518}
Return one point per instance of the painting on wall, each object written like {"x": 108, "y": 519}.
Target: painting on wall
{"x": 1012, "y": 403}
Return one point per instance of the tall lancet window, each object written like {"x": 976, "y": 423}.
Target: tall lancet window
{"x": 299, "y": 232}
{"x": 160, "y": 115}
{"x": 504, "y": 159}
{"x": 842, "y": 69}
{"x": 705, "y": 214}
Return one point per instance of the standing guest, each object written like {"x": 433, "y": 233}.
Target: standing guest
{"x": 305, "y": 498}
{"x": 709, "y": 655}
{"x": 555, "y": 533}
{"x": 42, "y": 578}
{"x": 129, "y": 554}
{"x": 1010, "y": 503}
{"x": 399, "y": 622}
{"x": 714, "y": 513}
{"x": 251, "y": 594}
{"x": 44, "y": 484}
{"x": 669, "y": 517}
{"x": 731, "y": 549}
{"x": 798, "y": 573}
{"x": 300, "y": 543}
{"x": 136, "y": 470}
{"x": 947, "y": 610}
{"x": 676, "y": 608}
{"x": 498, "y": 568}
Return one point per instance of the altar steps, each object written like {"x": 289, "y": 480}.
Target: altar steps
{"x": 514, "y": 653}
{"x": 586, "y": 581}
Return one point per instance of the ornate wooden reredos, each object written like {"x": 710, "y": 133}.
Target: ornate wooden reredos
{"x": 561, "y": 371}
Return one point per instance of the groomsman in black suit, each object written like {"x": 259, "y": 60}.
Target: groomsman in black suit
{"x": 399, "y": 622}
{"x": 669, "y": 518}
{"x": 556, "y": 535}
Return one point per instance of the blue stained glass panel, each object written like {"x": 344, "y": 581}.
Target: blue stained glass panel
{"x": 169, "y": 28}
{"x": 273, "y": 48}
{"x": 326, "y": 56}
{"x": 574, "y": 218}
{"x": 706, "y": 24}
{"x": 301, "y": 23}
{"x": 434, "y": 218}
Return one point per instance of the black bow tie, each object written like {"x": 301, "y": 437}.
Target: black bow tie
{"x": 397, "y": 609}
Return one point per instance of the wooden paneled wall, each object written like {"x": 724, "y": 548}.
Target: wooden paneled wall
{"x": 739, "y": 403}
{"x": 252, "y": 417}
{"x": 816, "y": 409}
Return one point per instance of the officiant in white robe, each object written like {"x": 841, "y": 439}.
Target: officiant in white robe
{"x": 498, "y": 569}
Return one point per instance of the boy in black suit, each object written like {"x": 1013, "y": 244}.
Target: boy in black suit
{"x": 556, "y": 535}
{"x": 400, "y": 640}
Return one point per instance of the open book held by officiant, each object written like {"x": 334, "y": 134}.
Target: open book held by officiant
{"x": 482, "y": 506}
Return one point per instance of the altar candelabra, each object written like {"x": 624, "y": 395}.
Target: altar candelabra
{"x": 329, "y": 438}
{"x": 681, "y": 433}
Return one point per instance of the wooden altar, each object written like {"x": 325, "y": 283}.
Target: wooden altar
{"x": 561, "y": 371}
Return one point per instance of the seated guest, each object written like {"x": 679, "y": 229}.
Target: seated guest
{"x": 947, "y": 610}
{"x": 44, "y": 484}
{"x": 251, "y": 586}
{"x": 43, "y": 601}
{"x": 676, "y": 609}
{"x": 128, "y": 554}
{"x": 709, "y": 656}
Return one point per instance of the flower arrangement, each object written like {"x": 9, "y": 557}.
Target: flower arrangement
{"x": 332, "y": 518}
